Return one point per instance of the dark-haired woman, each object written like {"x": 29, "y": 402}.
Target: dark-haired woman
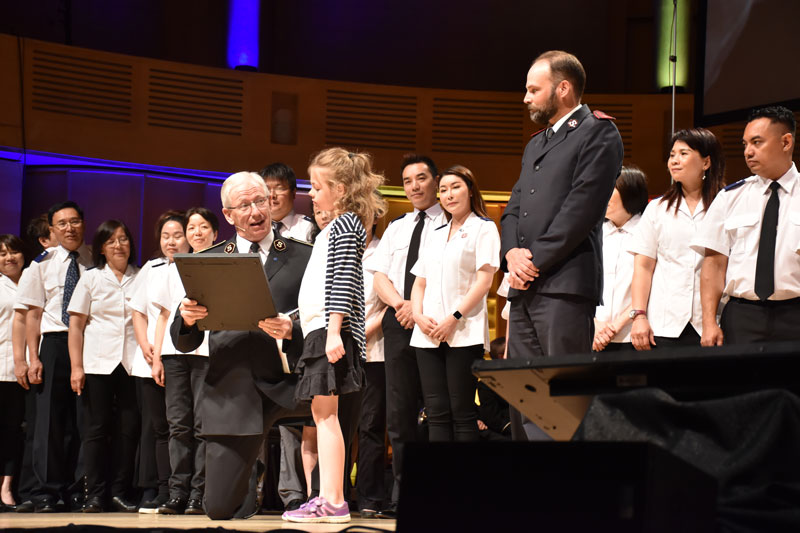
{"x": 612, "y": 323}
{"x": 12, "y": 396}
{"x": 182, "y": 375}
{"x": 101, "y": 350}
{"x": 454, "y": 274}
{"x": 154, "y": 469}
{"x": 665, "y": 293}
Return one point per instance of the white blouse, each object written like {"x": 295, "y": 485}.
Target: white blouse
{"x": 450, "y": 269}
{"x": 617, "y": 274}
{"x": 675, "y": 291}
{"x": 168, "y": 294}
{"x": 108, "y": 339}
{"x": 8, "y": 293}
{"x": 150, "y": 277}
{"x": 373, "y": 307}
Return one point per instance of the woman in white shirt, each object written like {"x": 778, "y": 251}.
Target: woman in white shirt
{"x": 665, "y": 293}
{"x": 154, "y": 469}
{"x": 101, "y": 349}
{"x": 12, "y": 396}
{"x": 183, "y": 374}
{"x": 453, "y": 276}
{"x": 612, "y": 323}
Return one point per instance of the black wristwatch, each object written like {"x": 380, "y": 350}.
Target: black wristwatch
{"x": 457, "y": 315}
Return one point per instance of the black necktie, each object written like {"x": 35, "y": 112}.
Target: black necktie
{"x": 548, "y": 134}
{"x": 254, "y": 248}
{"x": 73, "y": 275}
{"x": 278, "y": 227}
{"x": 413, "y": 254}
{"x": 765, "y": 262}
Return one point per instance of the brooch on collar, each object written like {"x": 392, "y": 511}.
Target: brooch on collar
{"x": 279, "y": 244}
{"x": 572, "y": 123}
{"x": 229, "y": 248}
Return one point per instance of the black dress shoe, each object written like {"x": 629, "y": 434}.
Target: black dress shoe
{"x": 294, "y": 505}
{"x": 122, "y": 506}
{"x": 45, "y": 506}
{"x": 368, "y": 513}
{"x": 173, "y": 506}
{"x": 388, "y": 514}
{"x": 93, "y": 505}
{"x": 6, "y": 508}
{"x": 194, "y": 506}
{"x": 25, "y": 507}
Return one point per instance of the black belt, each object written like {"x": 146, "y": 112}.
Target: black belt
{"x": 56, "y": 334}
{"x": 767, "y": 303}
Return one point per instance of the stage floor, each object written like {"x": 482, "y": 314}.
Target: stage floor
{"x": 270, "y": 522}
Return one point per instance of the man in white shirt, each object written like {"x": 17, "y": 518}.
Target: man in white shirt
{"x": 46, "y": 292}
{"x": 391, "y": 264}
{"x": 282, "y": 184}
{"x": 751, "y": 240}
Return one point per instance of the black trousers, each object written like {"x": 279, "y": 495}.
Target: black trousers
{"x": 27, "y": 478}
{"x": 403, "y": 392}
{"x": 111, "y": 432}
{"x": 541, "y": 325}
{"x": 688, "y": 337}
{"x": 448, "y": 387}
{"x": 56, "y": 441}
{"x": 184, "y": 376}
{"x": 745, "y": 321}
{"x": 12, "y": 398}
{"x": 154, "y": 469}
{"x": 230, "y": 490}
{"x": 370, "y": 482}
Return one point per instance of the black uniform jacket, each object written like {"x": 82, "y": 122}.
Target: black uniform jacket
{"x": 557, "y": 206}
{"x": 243, "y": 362}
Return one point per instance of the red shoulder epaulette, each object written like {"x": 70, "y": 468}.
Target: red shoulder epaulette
{"x": 534, "y": 134}
{"x": 601, "y": 115}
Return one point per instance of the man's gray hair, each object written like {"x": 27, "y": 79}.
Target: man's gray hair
{"x": 238, "y": 179}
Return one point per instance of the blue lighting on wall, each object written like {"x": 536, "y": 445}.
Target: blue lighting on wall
{"x": 243, "y": 23}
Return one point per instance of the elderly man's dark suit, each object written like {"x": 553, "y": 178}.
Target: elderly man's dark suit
{"x": 556, "y": 211}
{"x": 246, "y": 390}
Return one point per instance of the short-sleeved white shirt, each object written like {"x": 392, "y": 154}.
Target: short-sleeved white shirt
{"x": 390, "y": 256}
{"x": 44, "y": 286}
{"x": 168, "y": 295}
{"x": 733, "y": 228}
{"x": 108, "y": 339}
{"x": 297, "y": 226}
{"x": 372, "y": 307}
{"x": 150, "y": 277}
{"x": 450, "y": 269}
{"x": 8, "y": 293}
{"x": 675, "y": 290}
{"x": 311, "y": 298}
{"x": 617, "y": 274}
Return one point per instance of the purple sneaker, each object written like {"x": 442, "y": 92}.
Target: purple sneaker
{"x": 318, "y": 510}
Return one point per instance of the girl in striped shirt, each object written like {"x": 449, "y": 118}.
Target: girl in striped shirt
{"x": 331, "y": 302}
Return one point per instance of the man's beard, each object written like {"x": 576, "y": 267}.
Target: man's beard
{"x": 544, "y": 114}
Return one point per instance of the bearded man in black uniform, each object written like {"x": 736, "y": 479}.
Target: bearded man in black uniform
{"x": 552, "y": 225}
{"x": 246, "y": 389}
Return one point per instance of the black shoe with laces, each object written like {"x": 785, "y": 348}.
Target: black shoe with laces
{"x": 194, "y": 506}
{"x": 173, "y": 506}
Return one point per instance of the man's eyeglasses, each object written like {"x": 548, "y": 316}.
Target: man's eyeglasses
{"x": 259, "y": 204}
{"x": 62, "y": 224}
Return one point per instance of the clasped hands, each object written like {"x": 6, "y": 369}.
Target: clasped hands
{"x": 279, "y": 327}
{"x": 521, "y": 269}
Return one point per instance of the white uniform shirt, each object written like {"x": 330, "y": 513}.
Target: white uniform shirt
{"x": 617, "y": 274}
{"x": 168, "y": 295}
{"x": 733, "y": 228}
{"x": 675, "y": 291}
{"x": 44, "y": 286}
{"x": 8, "y": 294}
{"x": 450, "y": 269}
{"x": 311, "y": 298}
{"x": 149, "y": 278}
{"x": 373, "y": 307}
{"x": 108, "y": 339}
{"x": 390, "y": 256}
{"x": 296, "y": 226}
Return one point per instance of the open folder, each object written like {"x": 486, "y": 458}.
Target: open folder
{"x": 234, "y": 288}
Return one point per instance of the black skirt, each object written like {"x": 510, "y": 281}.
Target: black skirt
{"x": 318, "y": 377}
